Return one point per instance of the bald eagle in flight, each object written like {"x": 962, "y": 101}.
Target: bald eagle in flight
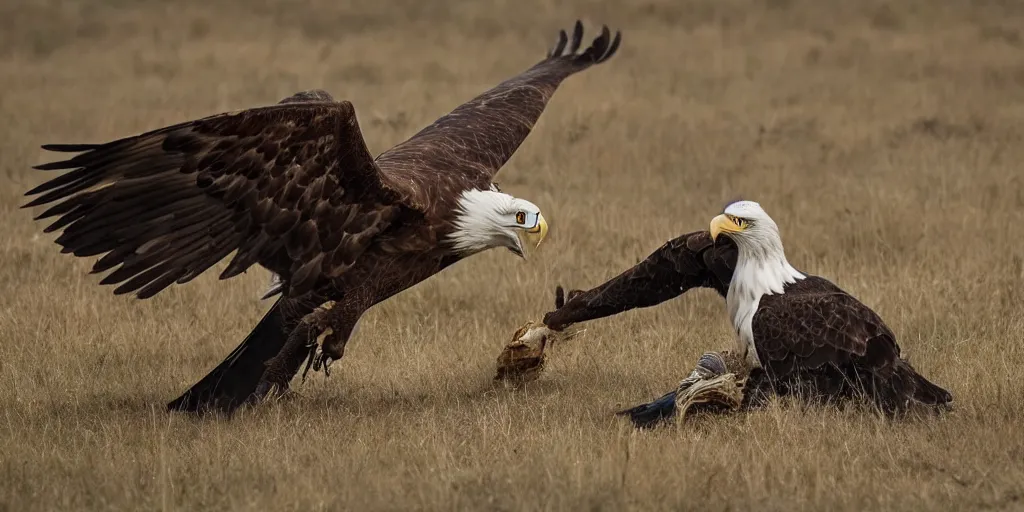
{"x": 293, "y": 188}
{"x": 797, "y": 332}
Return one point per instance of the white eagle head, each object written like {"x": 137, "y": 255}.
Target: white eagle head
{"x": 761, "y": 264}
{"x": 747, "y": 224}
{"x": 488, "y": 218}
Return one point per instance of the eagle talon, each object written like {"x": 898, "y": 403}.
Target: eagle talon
{"x": 318, "y": 360}
{"x": 309, "y": 359}
{"x": 323, "y": 361}
{"x": 320, "y": 330}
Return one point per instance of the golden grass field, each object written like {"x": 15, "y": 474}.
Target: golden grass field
{"x": 886, "y": 138}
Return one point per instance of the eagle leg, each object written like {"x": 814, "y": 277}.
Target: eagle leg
{"x": 318, "y": 327}
{"x": 280, "y": 369}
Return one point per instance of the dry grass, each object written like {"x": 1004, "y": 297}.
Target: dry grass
{"x": 885, "y": 137}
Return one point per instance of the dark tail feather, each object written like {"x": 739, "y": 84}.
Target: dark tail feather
{"x": 924, "y": 391}
{"x": 906, "y": 388}
{"x": 234, "y": 380}
{"x": 650, "y": 414}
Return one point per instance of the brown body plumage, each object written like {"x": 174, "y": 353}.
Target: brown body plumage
{"x": 293, "y": 188}
{"x": 818, "y": 340}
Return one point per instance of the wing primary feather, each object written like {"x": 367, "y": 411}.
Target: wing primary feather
{"x": 577, "y": 37}
{"x": 143, "y": 278}
{"x": 203, "y": 262}
{"x": 56, "y": 166}
{"x": 164, "y": 253}
{"x": 52, "y": 195}
{"x": 157, "y": 285}
{"x": 134, "y": 264}
{"x": 151, "y": 240}
{"x": 131, "y": 222}
{"x": 97, "y": 159}
{"x": 70, "y": 148}
{"x": 80, "y": 205}
{"x": 59, "y": 181}
{"x": 112, "y": 258}
{"x": 599, "y": 46}
{"x": 128, "y": 269}
{"x": 188, "y": 270}
{"x": 560, "y": 46}
{"x": 184, "y": 271}
{"x": 73, "y": 214}
{"x": 613, "y": 48}
{"x": 129, "y": 169}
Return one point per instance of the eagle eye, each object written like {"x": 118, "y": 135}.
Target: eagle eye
{"x": 520, "y": 217}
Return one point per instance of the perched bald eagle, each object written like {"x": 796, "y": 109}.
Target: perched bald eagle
{"x": 293, "y": 188}
{"x": 797, "y": 332}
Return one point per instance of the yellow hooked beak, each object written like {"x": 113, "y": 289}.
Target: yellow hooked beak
{"x": 724, "y": 224}
{"x": 536, "y": 234}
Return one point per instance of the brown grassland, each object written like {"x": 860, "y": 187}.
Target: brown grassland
{"x": 885, "y": 137}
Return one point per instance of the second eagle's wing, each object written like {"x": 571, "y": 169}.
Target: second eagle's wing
{"x": 689, "y": 261}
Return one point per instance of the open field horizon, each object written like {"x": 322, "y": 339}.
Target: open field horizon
{"x": 885, "y": 137}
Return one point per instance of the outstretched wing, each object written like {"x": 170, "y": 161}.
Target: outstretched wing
{"x": 290, "y": 186}
{"x": 689, "y": 261}
{"x": 469, "y": 145}
{"x": 815, "y": 324}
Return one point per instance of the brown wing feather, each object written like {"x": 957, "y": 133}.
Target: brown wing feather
{"x": 292, "y": 187}
{"x": 815, "y": 324}
{"x": 823, "y": 340}
{"x": 468, "y": 146}
{"x": 310, "y": 96}
{"x": 689, "y": 261}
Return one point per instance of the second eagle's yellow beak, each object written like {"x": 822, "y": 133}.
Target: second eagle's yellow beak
{"x": 724, "y": 224}
{"x": 536, "y": 234}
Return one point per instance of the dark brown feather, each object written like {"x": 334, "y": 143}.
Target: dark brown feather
{"x": 818, "y": 337}
{"x": 168, "y": 187}
{"x": 468, "y": 146}
{"x": 690, "y": 261}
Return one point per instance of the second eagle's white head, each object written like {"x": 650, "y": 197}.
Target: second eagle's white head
{"x": 488, "y": 218}
{"x": 761, "y": 265}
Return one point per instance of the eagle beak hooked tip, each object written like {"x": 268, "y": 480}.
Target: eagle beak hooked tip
{"x": 530, "y": 237}
{"x": 536, "y": 234}
{"x": 723, "y": 224}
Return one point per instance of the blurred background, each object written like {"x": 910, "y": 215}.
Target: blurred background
{"x": 884, "y": 136}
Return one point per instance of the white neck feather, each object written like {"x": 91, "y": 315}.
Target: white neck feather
{"x": 478, "y": 223}
{"x": 761, "y": 269}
